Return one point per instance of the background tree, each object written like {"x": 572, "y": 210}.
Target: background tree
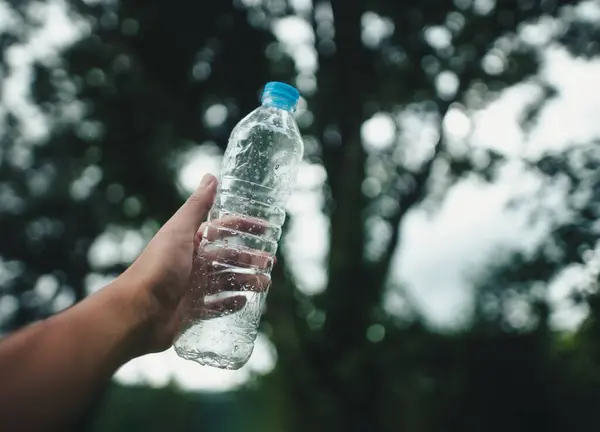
{"x": 122, "y": 104}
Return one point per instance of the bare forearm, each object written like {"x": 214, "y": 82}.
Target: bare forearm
{"x": 51, "y": 371}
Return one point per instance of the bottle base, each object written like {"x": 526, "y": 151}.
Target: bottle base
{"x": 211, "y": 359}
{"x": 211, "y": 344}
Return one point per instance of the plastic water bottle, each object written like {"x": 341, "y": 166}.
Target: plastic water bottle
{"x": 233, "y": 262}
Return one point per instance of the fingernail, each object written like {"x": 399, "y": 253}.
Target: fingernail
{"x": 207, "y": 180}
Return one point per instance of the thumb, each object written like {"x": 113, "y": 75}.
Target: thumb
{"x": 194, "y": 211}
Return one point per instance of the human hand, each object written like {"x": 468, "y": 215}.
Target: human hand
{"x": 175, "y": 276}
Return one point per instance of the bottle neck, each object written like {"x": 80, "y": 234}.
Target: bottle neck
{"x": 276, "y": 102}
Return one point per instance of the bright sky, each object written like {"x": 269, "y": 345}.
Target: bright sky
{"x": 438, "y": 250}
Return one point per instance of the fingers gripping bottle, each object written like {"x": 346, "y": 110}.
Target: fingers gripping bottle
{"x": 233, "y": 262}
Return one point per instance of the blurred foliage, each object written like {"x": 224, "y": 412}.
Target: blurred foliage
{"x": 127, "y": 409}
{"x": 121, "y": 105}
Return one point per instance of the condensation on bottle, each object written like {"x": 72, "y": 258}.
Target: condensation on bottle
{"x": 232, "y": 267}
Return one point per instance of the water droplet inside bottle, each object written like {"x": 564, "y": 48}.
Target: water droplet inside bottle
{"x": 277, "y": 166}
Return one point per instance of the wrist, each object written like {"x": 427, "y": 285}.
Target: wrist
{"x": 151, "y": 318}
{"x": 132, "y": 315}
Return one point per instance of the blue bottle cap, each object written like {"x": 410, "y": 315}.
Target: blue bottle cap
{"x": 280, "y": 95}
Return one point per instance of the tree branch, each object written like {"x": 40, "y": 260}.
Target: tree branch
{"x": 413, "y": 197}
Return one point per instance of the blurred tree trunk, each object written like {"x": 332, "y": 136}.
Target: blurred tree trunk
{"x": 329, "y": 371}
{"x": 350, "y": 296}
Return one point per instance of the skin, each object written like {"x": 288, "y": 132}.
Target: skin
{"x": 52, "y": 372}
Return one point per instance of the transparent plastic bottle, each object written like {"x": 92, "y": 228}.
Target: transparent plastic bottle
{"x": 233, "y": 263}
